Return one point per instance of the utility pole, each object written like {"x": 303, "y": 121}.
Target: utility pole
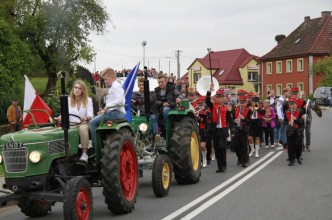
{"x": 177, "y": 55}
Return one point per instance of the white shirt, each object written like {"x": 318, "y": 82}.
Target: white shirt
{"x": 82, "y": 112}
{"x": 116, "y": 97}
{"x": 280, "y": 108}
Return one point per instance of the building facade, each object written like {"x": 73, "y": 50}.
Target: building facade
{"x": 233, "y": 69}
{"x": 290, "y": 63}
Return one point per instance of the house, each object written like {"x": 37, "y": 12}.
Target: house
{"x": 289, "y": 64}
{"x": 233, "y": 69}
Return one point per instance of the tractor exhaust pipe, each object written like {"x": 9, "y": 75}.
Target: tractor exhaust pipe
{"x": 64, "y": 114}
{"x": 146, "y": 93}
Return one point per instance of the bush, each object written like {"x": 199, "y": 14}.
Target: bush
{"x": 5, "y": 102}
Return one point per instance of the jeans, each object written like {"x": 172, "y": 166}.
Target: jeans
{"x": 283, "y": 137}
{"x": 110, "y": 115}
{"x": 165, "y": 112}
{"x": 277, "y": 134}
{"x": 154, "y": 124}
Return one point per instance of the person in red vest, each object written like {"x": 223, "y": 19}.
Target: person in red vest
{"x": 201, "y": 114}
{"x": 221, "y": 121}
{"x": 242, "y": 116}
{"x": 294, "y": 119}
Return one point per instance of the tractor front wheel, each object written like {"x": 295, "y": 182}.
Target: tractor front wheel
{"x": 78, "y": 199}
{"x": 34, "y": 208}
{"x": 161, "y": 175}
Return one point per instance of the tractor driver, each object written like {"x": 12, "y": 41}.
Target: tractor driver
{"x": 167, "y": 98}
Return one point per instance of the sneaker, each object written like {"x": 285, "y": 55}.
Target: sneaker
{"x": 307, "y": 148}
{"x": 84, "y": 157}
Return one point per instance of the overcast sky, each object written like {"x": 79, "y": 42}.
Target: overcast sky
{"x": 192, "y": 26}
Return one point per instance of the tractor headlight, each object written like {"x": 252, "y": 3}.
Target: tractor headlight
{"x": 143, "y": 127}
{"x": 35, "y": 156}
{"x": 0, "y": 159}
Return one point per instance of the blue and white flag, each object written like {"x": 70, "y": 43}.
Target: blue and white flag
{"x": 128, "y": 87}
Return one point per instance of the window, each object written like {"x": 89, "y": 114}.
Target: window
{"x": 269, "y": 68}
{"x": 197, "y": 76}
{"x": 289, "y": 64}
{"x": 300, "y": 65}
{"x": 279, "y": 67}
{"x": 300, "y": 86}
{"x": 252, "y": 76}
{"x": 289, "y": 85}
{"x": 278, "y": 89}
{"x": 268, "y": 87}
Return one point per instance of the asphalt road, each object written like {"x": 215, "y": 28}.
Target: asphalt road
{"x": 267, "y": 189}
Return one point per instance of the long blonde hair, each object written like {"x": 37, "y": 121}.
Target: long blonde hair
{"x": 84, "y": 94}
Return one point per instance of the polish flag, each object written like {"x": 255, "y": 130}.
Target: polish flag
{"x": 33, "y": 101}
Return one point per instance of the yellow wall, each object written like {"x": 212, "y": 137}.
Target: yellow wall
{"x": 203, "y": 71}
{"x": 247, "y": 86}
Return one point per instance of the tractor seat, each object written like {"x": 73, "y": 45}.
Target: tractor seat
{"x": 120, "y": 120}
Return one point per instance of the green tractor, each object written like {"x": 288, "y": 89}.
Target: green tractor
{"x": 178, "y": 150}
{"x": 41, "y": 167}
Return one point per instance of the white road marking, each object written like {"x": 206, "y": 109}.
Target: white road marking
{"x": 217, "y": 188}
{"x": 279, "y": 148}
{"x": 229, "y": 189}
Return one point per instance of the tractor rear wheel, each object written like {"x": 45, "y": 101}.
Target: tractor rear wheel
{"x": 119, "y": 172}
{"x": 34, "y": 208}
{"x": 185, "y": 151}
{"x": 161, "y": 175}
{"x": 78, "y": 203}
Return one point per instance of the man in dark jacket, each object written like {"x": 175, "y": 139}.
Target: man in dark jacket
{"x": 167, "y": 98}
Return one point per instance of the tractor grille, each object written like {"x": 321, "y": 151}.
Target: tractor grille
{"x": 55, "y": 147}
{"x": 15, "y": 159}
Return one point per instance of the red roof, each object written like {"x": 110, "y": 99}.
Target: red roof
{"x": 313, "y": 36}
{"x": 226, "y": 65}
{"x": 184, "y": 78}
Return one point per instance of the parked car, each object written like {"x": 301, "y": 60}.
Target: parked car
{"x": 322, "y": 95}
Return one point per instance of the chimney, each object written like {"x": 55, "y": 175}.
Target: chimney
{"x": 326, "y": 14}
{"x": 307, "y": 18}
{"x": 279, "y": 38}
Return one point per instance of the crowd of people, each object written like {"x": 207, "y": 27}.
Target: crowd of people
{"x": 277, "y": 121}
{"x": 241, "y": 126}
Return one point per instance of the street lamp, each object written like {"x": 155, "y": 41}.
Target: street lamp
{"x": 209, "y": 50}
{"x": 144, "y": 44}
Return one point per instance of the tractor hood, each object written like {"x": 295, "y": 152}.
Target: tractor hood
{"x": 34, "y": 135}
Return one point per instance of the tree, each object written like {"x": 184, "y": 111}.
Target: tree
{"x": 15, "y": 57}
{"x": 58, "y": 31}
{"x": 324, "y": 67}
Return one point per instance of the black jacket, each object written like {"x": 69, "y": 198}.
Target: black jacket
{"x": 171, "y": 94}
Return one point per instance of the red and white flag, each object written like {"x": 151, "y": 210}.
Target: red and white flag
{"x": 33, "y": 101}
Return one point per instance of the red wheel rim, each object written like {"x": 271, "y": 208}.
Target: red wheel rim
{"x": 128, "y": 171}
{"x": 83, "y": 204}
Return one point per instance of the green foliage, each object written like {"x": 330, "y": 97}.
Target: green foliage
{"x": 15, "y": 58}
{"x": 57, "y": 31}
{"x": 53, "y": 101}
{"x": 5, "y": 102}
{"x": 324, "y": 67}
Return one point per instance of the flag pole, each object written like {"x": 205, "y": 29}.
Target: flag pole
{"x": 209, "y": 49}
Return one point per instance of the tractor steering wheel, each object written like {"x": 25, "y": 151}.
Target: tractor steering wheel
{"x": 55, "y": 117}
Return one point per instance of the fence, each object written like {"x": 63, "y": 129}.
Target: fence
{"x": 4, "y": 129}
